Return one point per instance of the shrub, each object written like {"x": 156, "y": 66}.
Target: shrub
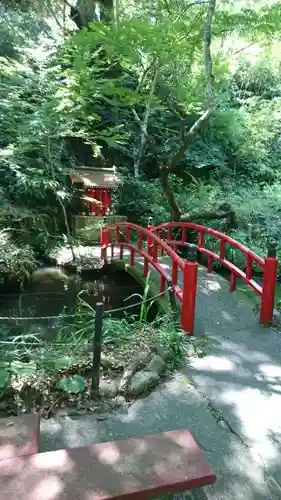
{"x": 17, "y": 263}
{"x": 140, "y": 199}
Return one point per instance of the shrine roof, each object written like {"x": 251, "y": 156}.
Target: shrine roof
{"x": 95, "y": 178}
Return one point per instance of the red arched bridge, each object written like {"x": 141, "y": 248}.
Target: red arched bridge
{"x": 155, "y": 242}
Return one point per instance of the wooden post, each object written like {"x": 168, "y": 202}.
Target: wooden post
{"x": 189, "y": 290}
{"x": 149, "y": 242}
{"x": 97, "y": 342}
{"x": 172, "y": 298}
{"x": 268, "y": 285}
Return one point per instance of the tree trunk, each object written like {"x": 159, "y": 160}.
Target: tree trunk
{"x": 187, "y": 136}
{"x": 164, "y": 177}
{"x": 144, "y": 125}
{"x": 87, "y": 11}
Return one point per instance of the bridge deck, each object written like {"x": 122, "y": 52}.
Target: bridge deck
{"x": 233, "y": 313}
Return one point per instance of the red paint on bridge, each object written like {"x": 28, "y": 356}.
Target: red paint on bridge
{"x": 148, "y": 243}
{"x": 147, "y": 246}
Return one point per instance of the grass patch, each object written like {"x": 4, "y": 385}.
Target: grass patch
{"x": 31, "y": 368}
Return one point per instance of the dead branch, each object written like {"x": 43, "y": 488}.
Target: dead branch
{"x": 207, "y": 215}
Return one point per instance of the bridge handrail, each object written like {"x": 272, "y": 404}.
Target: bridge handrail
{"x": 150, "y": 237}
{"x": 268, "y": 264}
{"x": 186, "y": 292}
{"x": 213, "y": 232}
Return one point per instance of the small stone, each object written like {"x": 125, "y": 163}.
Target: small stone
{"x": 162, "y": 351}
{"x": 170, "y": 366}
{"x": 119, "y": 401}
{"x": 129, "y": 372}
{"x": 156, "y": 365}
{"x": 102, "y": 408}
{"x": 142, "y": 382}
{"x": 222, "y": 424}
{"x": 68, "y": 412}
{"x": 190, "y": 350}
{"x": 102, "y": 416}
{"x": 62, "y": 412}
{"x": 108, "y": 389}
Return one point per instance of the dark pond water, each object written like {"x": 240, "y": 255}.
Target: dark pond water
{"x": 54, "y": 291}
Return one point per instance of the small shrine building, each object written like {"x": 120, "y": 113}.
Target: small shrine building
{"x": 97, "y": 186}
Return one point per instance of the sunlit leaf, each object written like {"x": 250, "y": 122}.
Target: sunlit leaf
{"x": 73, "y": 384}
{"x": 20, "y": 369}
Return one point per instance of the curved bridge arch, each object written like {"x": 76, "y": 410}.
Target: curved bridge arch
{"x": 149, "y": 243}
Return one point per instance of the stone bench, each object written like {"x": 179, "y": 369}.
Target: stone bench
{"x": 19, "y": 436}
{"x": 137, "y": 468}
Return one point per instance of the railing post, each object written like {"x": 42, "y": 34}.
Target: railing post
{"x": 150, "y": 227}
{"x": 97, "y": 344}
{"x": 269, "y": 285}
{"x": 102, "y": 236}
{"x": 189, "y": 289}
{"x": 103, "y": 243}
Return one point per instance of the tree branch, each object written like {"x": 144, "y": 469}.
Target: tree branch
{"x": 210, "y": 215}
{"x": 145, "y": 73}
{"x": 52, "y": 12}
{"x": 207, "y": 54}
{"x": 185, "y": 9}
{"x": 145, "y": 123}
{"x": 167, "y": 6}
{"x": 187, "y": 136}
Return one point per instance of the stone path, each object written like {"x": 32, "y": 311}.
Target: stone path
{"x": 230, "y": 400}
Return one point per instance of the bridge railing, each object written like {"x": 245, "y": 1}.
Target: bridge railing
{"x": 268, "y": 265}
{"x": 139, "y": 241}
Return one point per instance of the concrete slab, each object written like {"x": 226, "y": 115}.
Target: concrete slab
{"x": 241, "y": 378}
{"x": 175, "y": 405}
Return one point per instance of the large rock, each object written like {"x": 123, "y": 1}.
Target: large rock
{"x": 108, "y": 389}
{"x": 88, "y": 257}
{"x": 46, "y": 275}
{"x": 142, "y": 382}
{"x": 156, "y": 365}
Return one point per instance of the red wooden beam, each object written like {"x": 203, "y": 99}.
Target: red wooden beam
{"x": 268, "y": 290}
{"x": 137, "y": 468}
{"x": 189, "y": 290}
{"x": 19, "y": 436}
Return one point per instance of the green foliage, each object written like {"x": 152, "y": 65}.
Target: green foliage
{"x": 140, "y": 199}
{"x": 123, "y": 93}
{"x": 257, "y": 210}
{"x": 4, "y": 377}
{"x": 17, "y": 263}
{"x": 72, "y": 385}
{"x": 112, "y": 85}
